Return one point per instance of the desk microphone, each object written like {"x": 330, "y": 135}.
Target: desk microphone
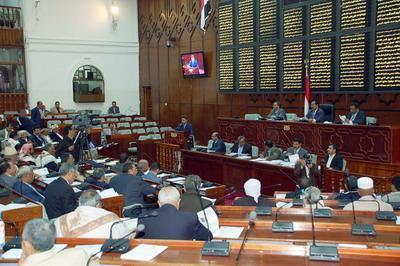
{"x": 325, "y": 253}
{"x": 395, "y": 204}
{"x": 385, "y": 215}
{"x": 282, "y": 227}
{"x": 361, "y": 229}
{"x": 141, "y": 216}
{"x": 322, "y": 213}
{"x": 252, "y": 219}
{"x": 212, "y": 248}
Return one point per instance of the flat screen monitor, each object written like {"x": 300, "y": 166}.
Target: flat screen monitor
{"x": 193, "y": 65}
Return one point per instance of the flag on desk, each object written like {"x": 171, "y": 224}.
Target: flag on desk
{"x": 307, "y": 94}
{"x": 205, "y": 7}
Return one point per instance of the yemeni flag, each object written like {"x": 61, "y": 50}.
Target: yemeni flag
{"x": 307, "y": 96}
{"x": 205, "y": 7}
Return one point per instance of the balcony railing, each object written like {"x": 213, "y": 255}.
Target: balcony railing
{"x": 10, "y": 17}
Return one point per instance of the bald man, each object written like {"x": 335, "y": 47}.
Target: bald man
{"x": 170, "y": 223}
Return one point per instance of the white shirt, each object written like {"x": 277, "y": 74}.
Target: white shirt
{"x": 353, "y": 116}
{"x": 240, "y": 149}
{"x": 328, "y": 163}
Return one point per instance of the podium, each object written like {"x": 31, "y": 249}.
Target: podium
{"x": 177, "y": 138}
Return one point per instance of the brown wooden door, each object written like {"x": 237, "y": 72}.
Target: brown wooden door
{"x": 146, "y": 104}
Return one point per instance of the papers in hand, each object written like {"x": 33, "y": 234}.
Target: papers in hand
{"x": 342, "y": 118}
{"x": 41, "y": 172}
{"x": 212, "y": 220}
{"x": 293, "y": 158}
{"x": 16, "y": 253}
{"x": 229, "y": 232}
{"x": 107, "y": 193}
{"x": 144, "y": 252}
{"x": 48, "y": 180}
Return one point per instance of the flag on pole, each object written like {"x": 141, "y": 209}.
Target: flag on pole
{"x": 205, "y": 9}
{"x": 307, "y": 96}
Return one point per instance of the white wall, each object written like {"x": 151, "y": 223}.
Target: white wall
{"x": 61, "y": 35}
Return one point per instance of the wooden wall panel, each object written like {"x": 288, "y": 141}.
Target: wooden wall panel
{"x": 174, "y": 96}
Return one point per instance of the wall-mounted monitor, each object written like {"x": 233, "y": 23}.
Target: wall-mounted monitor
{"x": 193, "y": 65}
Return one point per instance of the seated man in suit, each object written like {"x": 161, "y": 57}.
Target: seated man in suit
{"x": 152, "y": 174}
{"x": 253, "y": 197}
{"x": 8, "y": 173}
{"x": 5, "y": 132}
{"x": 190, "y": 200}
{"x": 351, "y": 190}
{"x": 305, "y": 168}
{"x": 296, "y": 148}
{"x": 185, "y": 126}
{"x": 57, "y": 109}
{"x": 38, "y": 241}
{"x": 271, "y": 152}
{"x": 123, "y": 159}
{"x": 60, "y": 197}
{"x": 277, "y": 113}
{"x": 218, "y": 144}
{"x": 143, "y": 167}
{"x": 55, "y": 134}
{"x": 368, "y": 201}
{"x": 24, "y": 184}
{"x": 114, "y": 109}
{"x": 241, "y": 146}
{"x": 36, "y": 137}
{"x": 315, "y": 114}
{"x": 98, "y": 178}
{"x": 170, "y": 223}
{"x": 89, "y": 220}
{"x": 355, "y": 116}
{"x": 394, "y": 196}
{"x": 333, "y": 159}
{"x": 67, "y": 143}
{"x": 131, "y": 186}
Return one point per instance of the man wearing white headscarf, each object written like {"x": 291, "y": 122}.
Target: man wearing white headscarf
{"x": 252, "y": 189}
{"x": 368, "y": 200}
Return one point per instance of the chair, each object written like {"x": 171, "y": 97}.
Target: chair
{"x": 291, "y": 116}
{"x": 123, "y": 125}
{"x": 252, "y": 116}
{"x": 314, "y": 158}
{"x": 125, "y": 132}
{"x": 126, "y": 119}
{"x": 344, "y": 165}
{"x": 112, "y": 119}
{"x": 163, "y": 129}
{"x": 50, "y": 123}
{"x": 139, "y": 131}
{"x": 68, "y": 122}
{"x": 371, "y": 120}
{"x": 254, "y": 151}
{"x": 140, "y": 118}
{"x": 156, "y": 136}
{"x": 329, "y": 110}
{"x": 153, "y": 129}
{"x": 71, "y": 115}
{"x": 60, "y": 116}
{"x": 228, "y": 147}
{"x": 136, "y": 124}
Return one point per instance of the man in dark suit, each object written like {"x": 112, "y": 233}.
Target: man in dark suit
{"x": 296, "y": 148}
{"x": 356, "y": 116}
{"x": 315, "y": 115}
{"x": 37, "y": 114}
{"x": 333, "y": 159}
{"x": 218, "y": 144}
{"x": 114, "y": 109}
{"x": 60, "y": 197}
{"x": 67, "y": 143}
{"x": 123, "y": 159}
{"x": 190, "y": 200}
{"x": 185, "y": 126}
{"x": 55, "y": 134}
{"x": 36, "y": 137}
{"x": 304, "y": 168}
{"x": 252, "y": 189}
{"x": 351, "y": 188}
{"x": 131, "y": 186}
{"x": 24, "y": 184}
{"x": 24, "y": 123}
{"x": 241, "y": 146}
{"x": 271, "y": 152}
{"x": 277, "y": 113}
{"x": 170, "y": 223}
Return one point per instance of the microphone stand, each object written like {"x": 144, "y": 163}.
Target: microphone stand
{"x": 361, "y": 229}
{"x": 252, "y": 217}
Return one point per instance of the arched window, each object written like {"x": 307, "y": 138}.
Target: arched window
{"x": 88, "y": 85}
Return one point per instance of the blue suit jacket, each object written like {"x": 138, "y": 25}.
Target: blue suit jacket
{"x": 218, "y": 146}
{"x": 319, "y": 115}
{"x": 360, "y": 118}
{"x": 28, "y": 192}
{"x": 188, "y": 128}
{"x": 35, "y": 116}
{"x": 173, "y": 224}
{"x": 26, "y": 124}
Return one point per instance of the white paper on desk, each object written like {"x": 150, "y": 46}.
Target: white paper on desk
{"x": 258, "y": 160}
{"x": 76, "y": 183}
{"x": 100, "y": 161}
{"x": 112, "y": 163}
{"x": 76, "y": 190}
{"x": 107, "y": 193}
{"x": 351, "y": 246}
{"x": 163, "y": 175}
{"x": 91, "y": 249}
{"x": 211, "y": 151}
{"x": 178, "y": 180}
{"x": 293, "y": 158}
{"x": 11, "y": 206}
{"x": 280, "y": 196}
{"x": 229, "y": 232}
{"x": 41, "y": 171}
{"x": 280, "y": 204}
{"x": 90, "y": 172}
{"x": 398, "y": 220}
{"x": 245, "y": 157}
{"x": 232, "y": 154}
{"x": 48, "y": 180}
{"x": 287, "y": 164}
{"x": 144, "y": 252}
{"x": 212, "y": 200}
{"x": 212, "y": 220}
{"x": 16, "y": 253}
{"x": 342, "y": 118}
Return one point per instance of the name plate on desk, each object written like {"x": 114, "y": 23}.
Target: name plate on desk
{"x": 173, "y": 135}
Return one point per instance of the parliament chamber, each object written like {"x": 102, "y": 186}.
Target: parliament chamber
{"x": 223, "y": 132}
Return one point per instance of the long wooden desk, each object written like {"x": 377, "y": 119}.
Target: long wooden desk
{"x": 188, "y": 253}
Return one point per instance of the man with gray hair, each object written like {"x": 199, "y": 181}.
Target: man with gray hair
{"x": 89, "y": 220}
{"x": 143, "y": 167}
{"x": 312, "y": 196}
{"x": 170, "y": 223}
{"x": 190, "y": 200}
{"x": 24, "y": 184}
{"x": 37, "y": 245}
{"x": 60, "y": 197}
